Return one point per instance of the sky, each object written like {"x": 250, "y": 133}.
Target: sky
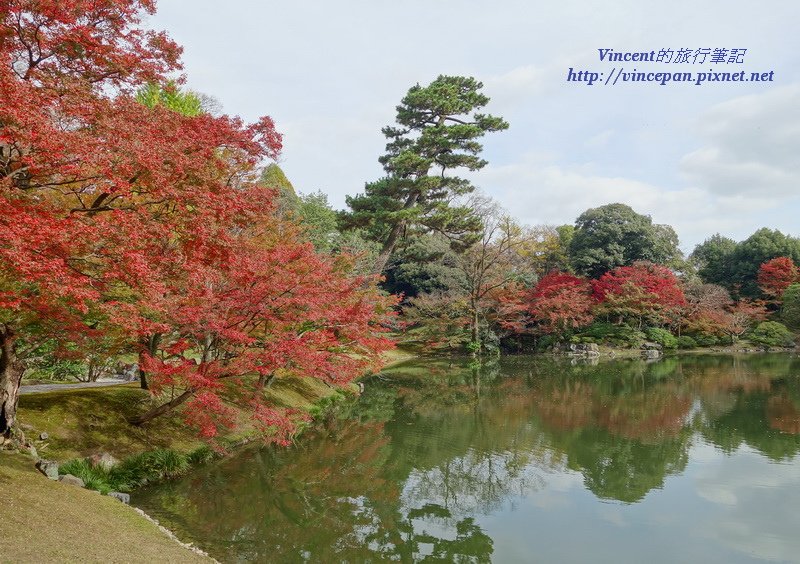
{"x": 720, "y": 157}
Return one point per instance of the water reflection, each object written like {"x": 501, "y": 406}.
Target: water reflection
{"x": 437, "y": 459}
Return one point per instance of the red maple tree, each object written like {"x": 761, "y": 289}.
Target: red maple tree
{"x": 64, "y": 65}
{"x": 560, "y": 302}
{"x": 118, "y": 215}
{"x": 642, "y": 290}
{"x": 775, "y": 275}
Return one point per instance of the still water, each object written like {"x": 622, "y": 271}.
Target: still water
{"x": 527, "y": 459}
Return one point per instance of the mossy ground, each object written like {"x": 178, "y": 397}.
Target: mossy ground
{"x": 81, "y": 422}
{"x": 46, "y": 521}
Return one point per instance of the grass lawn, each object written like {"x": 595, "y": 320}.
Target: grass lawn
{"x": 46, "y": 521}
{"x": 84, "y": 421}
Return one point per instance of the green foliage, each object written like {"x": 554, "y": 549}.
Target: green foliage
{"x": 686, "y": 342}
{"x": 790, "y": 309}
{"x": 713, "y": 259}
{"x": 425, "y": 263}
{"x": 763, "y": 245}
{"x": 327, "y": 405}
{"x": 607, "y": 333}
{"x": 288, "y": 203}
{"x": 662, "y": 337}
{"x": 136, "y": 471}
{"x": 546, "y": 342}
{"x": 319, "y": 218}
{"x": 49, "y": 362}
{"x": 614, "y": 235}
{"x": 772, "y": 334}
{"x": 94, "y": 478}
{"x": 438, "y": 319}
{"x": 735, "y": 265}
{"x": 184, "y": 102}
{"x": 201, "y": 455}
{"x": 704, "y": 339}
{"x": 437, "y": 131}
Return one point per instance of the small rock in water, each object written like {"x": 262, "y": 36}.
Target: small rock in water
{"x": 123, "y": 497}
{"x": 71, "y": 480}
{"x": 48, "y": 468}
{"x": 44, "y": 437}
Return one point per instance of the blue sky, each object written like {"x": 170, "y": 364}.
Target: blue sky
{"x": 720, "y": 157}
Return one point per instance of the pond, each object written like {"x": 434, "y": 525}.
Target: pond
{"x": 525, "y": 459}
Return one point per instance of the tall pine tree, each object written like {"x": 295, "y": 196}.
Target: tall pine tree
{"x": 437, "y": 132}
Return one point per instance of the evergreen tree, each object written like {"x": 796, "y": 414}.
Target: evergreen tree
{"x": 437, "y": 131}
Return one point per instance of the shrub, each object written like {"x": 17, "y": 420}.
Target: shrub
{"x": 705, "y": 339}
{"x": 546, "y": 342}
{"x": 616, "y": 335}
{"x": 686, "y": 342}
{"x": 790, "y": 310}
{"x": 772, "y": 334}
{"x": 94, "y": 477}
{"x": 201, "y": 455}
{"x": 662, "y": 337}
{"x": 135, "y": 471}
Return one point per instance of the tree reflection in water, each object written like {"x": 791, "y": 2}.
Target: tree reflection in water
{"x": 407, "y": 471}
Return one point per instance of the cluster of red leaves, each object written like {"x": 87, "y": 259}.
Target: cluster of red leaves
{"x": 775, "y": 275}
{"x": 561, "y": 301}
{"x": 657, "y": 285}
{"x": 118, "y": 216}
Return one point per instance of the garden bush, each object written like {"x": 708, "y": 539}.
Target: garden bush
{"x": 771, "y": 334}
{"x": 615, "y": 335}
{"x": 662, "y": 337}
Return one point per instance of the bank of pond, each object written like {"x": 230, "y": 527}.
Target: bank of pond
{"x": 523, "y": 458}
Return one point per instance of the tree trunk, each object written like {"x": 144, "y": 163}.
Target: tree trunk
{"x": 474, "y": 332}
{"x": 264, "y": 381}
{"x": 161, "y": 409}
{"x": 151, "y": 347}
{"x": 93, "y": 372}
{"x": 11, "y": 370}
{"x": 391, "y": 240}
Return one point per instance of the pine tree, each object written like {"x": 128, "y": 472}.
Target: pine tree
{"x": 437, "y": 131}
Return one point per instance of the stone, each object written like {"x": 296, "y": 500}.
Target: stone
{"x": 123, "y": 497}
{"x": 585, "y": 349}
{"x": 71, "y": 480}
{"x": 26, "y": 427}
{"x": 648, "y": 346}
{"x": 651, "y": 353}
{"x": 33, "y": 452}
{"x": 103, "y": 460}
{"x": 48, "y": 468}
{"x": 44, "y": 436}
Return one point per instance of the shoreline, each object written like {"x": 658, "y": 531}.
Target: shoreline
{"x": 53, "y": 431}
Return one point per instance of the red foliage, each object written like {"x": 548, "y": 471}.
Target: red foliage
{"x": 509, "y": 307}
{"x": 641, "y": 289}
{"x": 775, "y": 275}
{"x": 116, "y": 214}
{"x": 560, "y": 302}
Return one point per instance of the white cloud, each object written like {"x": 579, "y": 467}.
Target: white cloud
{"x": 752, "y": 146}
{"x": 539, "y": 192}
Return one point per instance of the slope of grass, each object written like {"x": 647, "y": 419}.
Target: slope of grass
{"x": 81, "y": 422}
{"x": 46, "y": 521}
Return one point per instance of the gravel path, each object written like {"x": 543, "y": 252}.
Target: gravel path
{"x": 39, "y": 388}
